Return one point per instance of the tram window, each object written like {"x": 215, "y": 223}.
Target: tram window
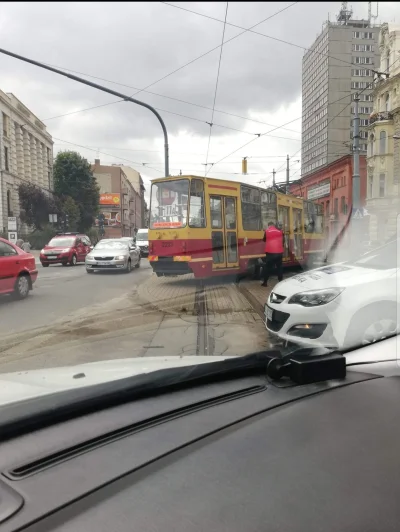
{"x": 230, "y": 213}
{"x": 217, "y": 242}
{"x": 196, "y": 209}
{"x": 268, "y": 208}
{"x": 251, "y": 209}
{"x": 231, "y": 247}
{"x": 168, "y": 203}
{"x": 216, "y": 212}
{"x": 311, "y": 225}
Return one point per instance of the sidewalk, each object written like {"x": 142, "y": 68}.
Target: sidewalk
{"x": 36, "y": 254}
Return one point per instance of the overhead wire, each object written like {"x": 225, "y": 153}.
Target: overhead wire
{"x": 216, "y": 86}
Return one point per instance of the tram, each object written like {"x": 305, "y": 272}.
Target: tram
{"x": 211, "y": 227}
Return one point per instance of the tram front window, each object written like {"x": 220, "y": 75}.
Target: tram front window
{"x": 169, "y": 203}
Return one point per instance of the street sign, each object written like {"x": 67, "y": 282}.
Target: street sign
{"x": 12, "y": 237}
{"x": 358, "y": 214}
{"x": 53, "y": 218}
{"x": 12, "y": 223}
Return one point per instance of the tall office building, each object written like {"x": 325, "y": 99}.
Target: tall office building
{"x": 338, "y": 64}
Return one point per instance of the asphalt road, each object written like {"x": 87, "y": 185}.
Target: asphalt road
{"x": 60, "y": 292}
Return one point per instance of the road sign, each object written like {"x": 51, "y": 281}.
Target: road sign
{"x": 12, "y": 223}
{"x": 358, "y": 214}
{"x": 53, "y": 218}
{"x": 12, "y": 237}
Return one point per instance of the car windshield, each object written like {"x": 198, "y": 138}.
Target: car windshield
{"x": 248, "y": 203}
{"x": 62, "y": 242}
{"x": 112, "y": 245}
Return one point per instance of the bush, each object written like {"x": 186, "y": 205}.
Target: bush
{"x": 38, "y": 239}
{"x": 93, "y": 234}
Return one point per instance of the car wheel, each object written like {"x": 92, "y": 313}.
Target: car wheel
{"x": 45, "y": 265}
{"x": 372, "y": 324}
{"x": 137, "y": 265}
{"x": 128, "y": 267}
{"x": 22, "y": 286}
{"x": 73, "y": 260}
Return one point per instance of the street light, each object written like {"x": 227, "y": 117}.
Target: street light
{"x": 104, "y": 89}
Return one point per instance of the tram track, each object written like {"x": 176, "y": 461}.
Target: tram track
{"x": 205, "y": 343}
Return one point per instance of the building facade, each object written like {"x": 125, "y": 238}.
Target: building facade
{"x": 137, "y": 182}
{"x": 384, "y": 141}
{"x": 26, "y": 156}
{"x": 339, "y": 63}
{"x": 331, "y": 186}
{"x": 119, "y": 201}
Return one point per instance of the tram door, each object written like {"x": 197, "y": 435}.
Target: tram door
{"x": 283, "y": 220}
{"x": 223, "y": 212}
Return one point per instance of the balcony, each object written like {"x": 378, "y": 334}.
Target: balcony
{"x": 379, "y": 117}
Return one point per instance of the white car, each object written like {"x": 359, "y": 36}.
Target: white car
{"x": 343, "y": 305}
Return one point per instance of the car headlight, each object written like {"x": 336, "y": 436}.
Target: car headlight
{"x": 120, "y": 257}
{"x": 42, "y": 251}
{"x": 66, "y": 250}
{"x": 314, "y": 298}
{"x": 89, "y": 257}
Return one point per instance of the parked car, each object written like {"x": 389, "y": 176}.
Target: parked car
{"x": 142, "y": 241}
{"x": 113, "y": 254}
{"x": 341, "y": 305}
{"x": 18, "y": 270}
{"x": 66, "y": 248}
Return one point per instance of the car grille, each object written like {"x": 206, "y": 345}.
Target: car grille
{"x": 276, "y": 298}
{"x": 278, "y": 320}
{"x": 103, "y": 258}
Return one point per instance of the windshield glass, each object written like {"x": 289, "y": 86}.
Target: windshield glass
{"x": 111, "y": 245}
{"x": 62, "y": 242}
{"x": 169, "y": 204}
{"x": 239, "y": 221}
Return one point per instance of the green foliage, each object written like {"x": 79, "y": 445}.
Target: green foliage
{"x": 70, "y": 208}
{"x": 93, "y": 234}
{"x": 36, "y": 205}
{"x": 38, "y": 239}
{"x": 73, "y": 177}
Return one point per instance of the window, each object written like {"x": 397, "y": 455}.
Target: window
{"x": 196, "y": 207}
{"x": 381, "y": 185}
{"x": 6, "y": 165}
{"x": 251, "y": 209}
{"x": 370, "y": 185}
{"x": 371, "y": 145}
{"x": 6, "y": 250}
{"x": 387, "y": 102}
{"x": 268, "y": 208}
{"x": 9, "y": 203}
{"x": 216, "y": 212}
{"x": 169, "y": 204}
{"x": 5, "y": 124}
{"x": 336, "y": 208}
{"x": 387, "y": 61}
{"x": 343, "y": 205}
{"x": 382, "y": 142}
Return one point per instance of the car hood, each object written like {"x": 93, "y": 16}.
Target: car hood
{"x": 23, "y": 385}
{"x": 341, "y": 275}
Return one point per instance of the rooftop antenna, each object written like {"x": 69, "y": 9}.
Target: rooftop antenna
{"x": 344, "y": 14}
{"x": 370, "y": 15}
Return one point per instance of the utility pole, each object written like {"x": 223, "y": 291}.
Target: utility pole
{"x": 104, "y": 89}
{"x": 273, "y": 177}
{"x": 287, "y": 174}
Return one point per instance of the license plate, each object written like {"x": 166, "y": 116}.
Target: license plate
{"x": 268, "y": 313}
{"x": 51, "y": 256}
{"x": 104, "y": 263}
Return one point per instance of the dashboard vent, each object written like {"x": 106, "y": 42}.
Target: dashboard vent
{"x": 50, "y": 460}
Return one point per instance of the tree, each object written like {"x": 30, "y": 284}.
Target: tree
{"x": 71, "y": 209}
{"x": 36, "y": 205}
{"x": 73, "y": 177}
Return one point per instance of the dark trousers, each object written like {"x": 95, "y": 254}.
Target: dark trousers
{"x": 273, "y": 260}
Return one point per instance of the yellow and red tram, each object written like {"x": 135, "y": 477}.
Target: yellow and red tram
{"x": 209, "y": 227}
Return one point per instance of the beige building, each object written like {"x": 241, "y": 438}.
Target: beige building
{"x": 26, "y": 156}
{"x": 119, "y": 201}
{"x": 383, "y": 158}
{"x": 137, "y": 182}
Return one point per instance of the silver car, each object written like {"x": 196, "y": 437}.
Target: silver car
{"x": 113, "y": 254}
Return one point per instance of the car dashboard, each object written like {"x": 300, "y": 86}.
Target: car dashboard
{"x": 244, "y": 455}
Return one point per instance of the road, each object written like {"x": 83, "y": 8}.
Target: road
{"x": 59, "y": 292}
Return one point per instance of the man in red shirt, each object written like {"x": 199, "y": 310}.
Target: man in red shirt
{"x": 274, "y": 244}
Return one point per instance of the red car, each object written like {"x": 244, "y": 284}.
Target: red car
{"x": 66, "y": 248}
{"x": 18, "y": 270}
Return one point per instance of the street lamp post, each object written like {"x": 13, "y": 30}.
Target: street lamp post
{"x": 104, "y": 89}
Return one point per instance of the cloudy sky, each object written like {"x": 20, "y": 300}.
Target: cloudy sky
{"x": 132, "y": 46}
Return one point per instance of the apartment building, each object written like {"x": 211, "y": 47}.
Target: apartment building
{"x": 119, "y": 201}
{"x": 383, "y": 160}
{"x": 26, "y": 155}
{"x": 338, "y": 64}
{"x": 137, "y": 182}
